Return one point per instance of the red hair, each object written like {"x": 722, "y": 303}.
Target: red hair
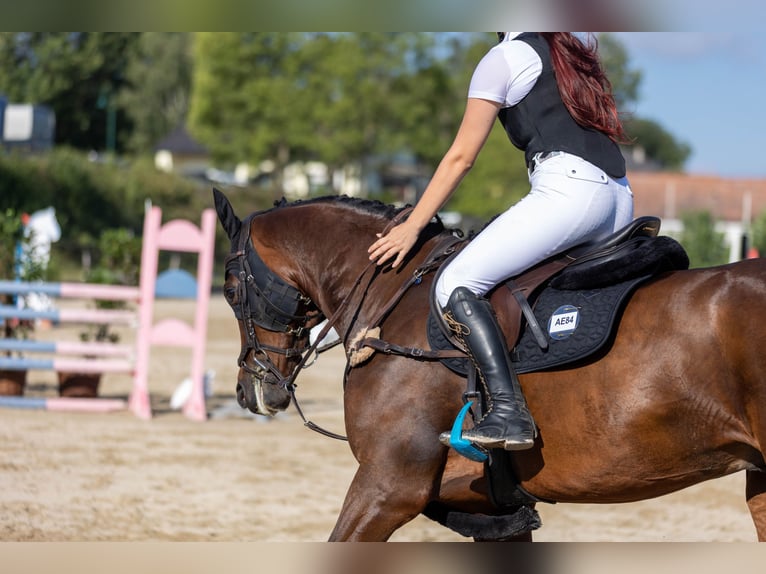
{"x": 583, "y": 85}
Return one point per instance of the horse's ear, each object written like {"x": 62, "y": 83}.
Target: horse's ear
{"x": 230, "y": 222}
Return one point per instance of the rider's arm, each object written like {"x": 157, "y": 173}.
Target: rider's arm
{"x": 475, "y": 127}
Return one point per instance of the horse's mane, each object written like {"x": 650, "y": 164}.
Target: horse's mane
{"x": 362, "y": 205}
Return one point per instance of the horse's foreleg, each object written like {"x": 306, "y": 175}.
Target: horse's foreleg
{"x": 755, "y": 491}
{"x": 376, "y": 505}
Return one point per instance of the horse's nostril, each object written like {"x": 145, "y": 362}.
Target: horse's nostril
{"x": 241, "y": 399}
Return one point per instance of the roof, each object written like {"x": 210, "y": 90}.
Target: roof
{"x": 180, "y": 142}
{"x": 669, "y": 195}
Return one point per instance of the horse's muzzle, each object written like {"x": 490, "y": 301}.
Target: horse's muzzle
{"x": 262, "y": 397}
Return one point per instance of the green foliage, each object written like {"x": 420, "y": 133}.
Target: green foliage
{"x": 11, "y": 233}
{"x": 244, "y": 102}
{"x": 435, "y": 94}
{"x": 659, "y": 145}
{"x": 340, "y": 98}
{"x": 156, "y": 95}
{"x": 625, "y": 81}
{"x": 498, "y": 179}
{"x": 758, "y": 233}
{"x": 704, "y": 245}
{"x": 90, "y": 197}
{"x": 14, "y": 244}
{"x": 337, "y": 98}
{"x": 118, "y": 256}
{"x": 75, "y": 73}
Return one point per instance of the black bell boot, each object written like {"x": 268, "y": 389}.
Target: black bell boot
{"x": 507, "y": 423}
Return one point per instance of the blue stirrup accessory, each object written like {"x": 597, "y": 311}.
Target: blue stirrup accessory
{"x": 462, "y": 446}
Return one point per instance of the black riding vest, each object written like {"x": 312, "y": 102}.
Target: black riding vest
{"x": 541, "y": 122}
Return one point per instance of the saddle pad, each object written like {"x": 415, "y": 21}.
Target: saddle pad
{"x": 439, "y": 342}
{"x": 578, "y": 324}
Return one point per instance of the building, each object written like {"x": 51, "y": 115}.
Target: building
{"x": 734, "y": 203}
{"x": 180, "y": 153}
{"x": 27, "y": 127}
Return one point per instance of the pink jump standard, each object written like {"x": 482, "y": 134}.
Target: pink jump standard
{"x": 175, "y": 235}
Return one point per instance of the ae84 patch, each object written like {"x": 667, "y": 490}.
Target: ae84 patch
{"x": 563, "y": 322}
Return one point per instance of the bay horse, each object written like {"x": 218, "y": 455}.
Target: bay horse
{"x": 678, "y": 398}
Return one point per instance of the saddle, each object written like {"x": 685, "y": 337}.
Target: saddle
{"x": 625, "y": 254}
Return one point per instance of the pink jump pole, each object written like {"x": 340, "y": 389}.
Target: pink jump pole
{"x": 194, "y": 408}
{"x": 138, "y": 402}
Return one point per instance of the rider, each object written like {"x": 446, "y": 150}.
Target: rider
{"x": 551, "y": 95}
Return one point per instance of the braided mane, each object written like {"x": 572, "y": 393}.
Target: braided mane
{"x": 362, "y": 205}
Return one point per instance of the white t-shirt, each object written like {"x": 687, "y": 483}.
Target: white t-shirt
{"x": 507, "y": 73}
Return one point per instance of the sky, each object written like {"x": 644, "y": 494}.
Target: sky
{"x": 708, "y": 90}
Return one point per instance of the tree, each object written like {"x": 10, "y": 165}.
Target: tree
{"x": 758, "y": 233}
{"x": 358, "y": 94}
{"x": 429, "y": 119}
{"x": 704, "y": 245}
{"x": 625, "y": 80}
{"x": 158, "y": 82}
{"x": 244, "y": 105}
{"x": 658, "y": 144}
{"x": 77, "y": 74}
{"x": 347, "y": 98}
{"x": 433, "y": 93}
{"x": 339, "y": 98}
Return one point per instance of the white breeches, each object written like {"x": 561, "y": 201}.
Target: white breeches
{"x": 571, "y": 201}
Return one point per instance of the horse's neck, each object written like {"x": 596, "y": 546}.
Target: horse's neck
{"x": 324, "y": 253}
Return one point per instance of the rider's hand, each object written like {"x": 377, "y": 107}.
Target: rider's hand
{"x": 396, "y": 243}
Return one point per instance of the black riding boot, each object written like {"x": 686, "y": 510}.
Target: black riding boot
{"x": 507, "y": 422}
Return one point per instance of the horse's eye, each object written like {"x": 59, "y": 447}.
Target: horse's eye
{"x": 231, "y": 295}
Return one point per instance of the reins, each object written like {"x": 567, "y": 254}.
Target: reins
{"x": 331, "y": 321}
{"x": 441, "y": 251}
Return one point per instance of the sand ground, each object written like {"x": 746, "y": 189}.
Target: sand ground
{"x": 239, "y": 477}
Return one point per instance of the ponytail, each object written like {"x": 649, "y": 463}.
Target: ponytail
{"x": 583, "y": 85}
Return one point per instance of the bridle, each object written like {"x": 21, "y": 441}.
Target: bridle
{"x": 265, "y": 300}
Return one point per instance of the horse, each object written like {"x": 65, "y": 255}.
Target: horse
{"x": 679, "y": 396}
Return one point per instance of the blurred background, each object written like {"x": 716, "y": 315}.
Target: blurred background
{"x": 95, "y": 124}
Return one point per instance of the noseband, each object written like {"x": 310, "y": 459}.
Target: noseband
{"x": 265, "y": 300}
